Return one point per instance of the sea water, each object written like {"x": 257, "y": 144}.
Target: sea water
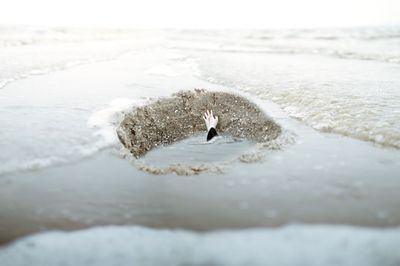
{"x": 334, "y": 92}
{"x": 341, "y": 81}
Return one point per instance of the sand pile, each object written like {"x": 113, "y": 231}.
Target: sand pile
{"x": 172, "y": 119}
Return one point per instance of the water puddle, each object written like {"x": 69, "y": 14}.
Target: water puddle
{"x": 195, "y": 150}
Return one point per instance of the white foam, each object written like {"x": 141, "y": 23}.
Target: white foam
{"x": 106, "y": 120}
{"x": 3, "y": 83}
{"x": 290, "y": 245}
{"x": 34, "y": 164}
{"x": 352, "y": 105}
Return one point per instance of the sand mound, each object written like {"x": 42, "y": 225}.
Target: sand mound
{"x": 172, "y": 119}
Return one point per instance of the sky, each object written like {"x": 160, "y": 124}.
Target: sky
{"x": 200, "y": 13}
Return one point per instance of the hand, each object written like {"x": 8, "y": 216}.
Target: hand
{"x": 210, "y": 120}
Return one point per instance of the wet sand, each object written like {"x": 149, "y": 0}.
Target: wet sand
{"x": 175, "y": 118}
{"x": 108, "y": 190}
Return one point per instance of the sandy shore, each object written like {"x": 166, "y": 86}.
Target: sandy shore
{"x": 180, "y": 116}
{"x": 322, "y": 178}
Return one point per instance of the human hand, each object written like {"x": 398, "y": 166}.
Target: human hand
{"x": 210, "y": 120}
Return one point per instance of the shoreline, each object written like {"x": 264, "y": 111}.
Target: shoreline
{"x": 95, "y": 196}
{"x": 321, "y": 178}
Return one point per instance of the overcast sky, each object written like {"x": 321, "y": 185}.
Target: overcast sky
{"x": 200, "y": 13}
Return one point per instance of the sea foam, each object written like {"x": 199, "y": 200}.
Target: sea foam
{"x": 291, "y": 245}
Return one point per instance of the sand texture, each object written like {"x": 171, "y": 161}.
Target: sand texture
{"x": 175, "y": 118}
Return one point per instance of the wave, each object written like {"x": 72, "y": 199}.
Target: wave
{"x": 26, "y": 72}
{"x": 330, "y": 34}
{"x": 376, "y": 44}
{"x": 341, "y": 101}
{"x": 133, "y": 245}
{"x": 29, "y": 50}
{"x": 272, "y": 49}
{"x": 103, "y": 122}
{"x": 10, "y": 167}
{"x": 28, "y": 35}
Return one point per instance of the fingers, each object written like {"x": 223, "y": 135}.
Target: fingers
{"x": 209, "y": 115}
{"x": 206, "y": 116}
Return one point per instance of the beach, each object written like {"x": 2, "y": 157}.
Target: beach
{"x": 334, "y": 94}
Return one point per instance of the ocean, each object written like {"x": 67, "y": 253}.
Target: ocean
{"x": 334, "y": 92}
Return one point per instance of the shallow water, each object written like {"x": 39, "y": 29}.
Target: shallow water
{"x": 340, "y": 81}
{"x": 333, "y": 92}
{"x": 196, "y": 151}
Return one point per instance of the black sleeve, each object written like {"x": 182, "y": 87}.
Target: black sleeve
{"x": 211, "y": 133}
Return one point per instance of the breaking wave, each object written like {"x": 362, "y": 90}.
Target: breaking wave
{"x": 289, "y": 245}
